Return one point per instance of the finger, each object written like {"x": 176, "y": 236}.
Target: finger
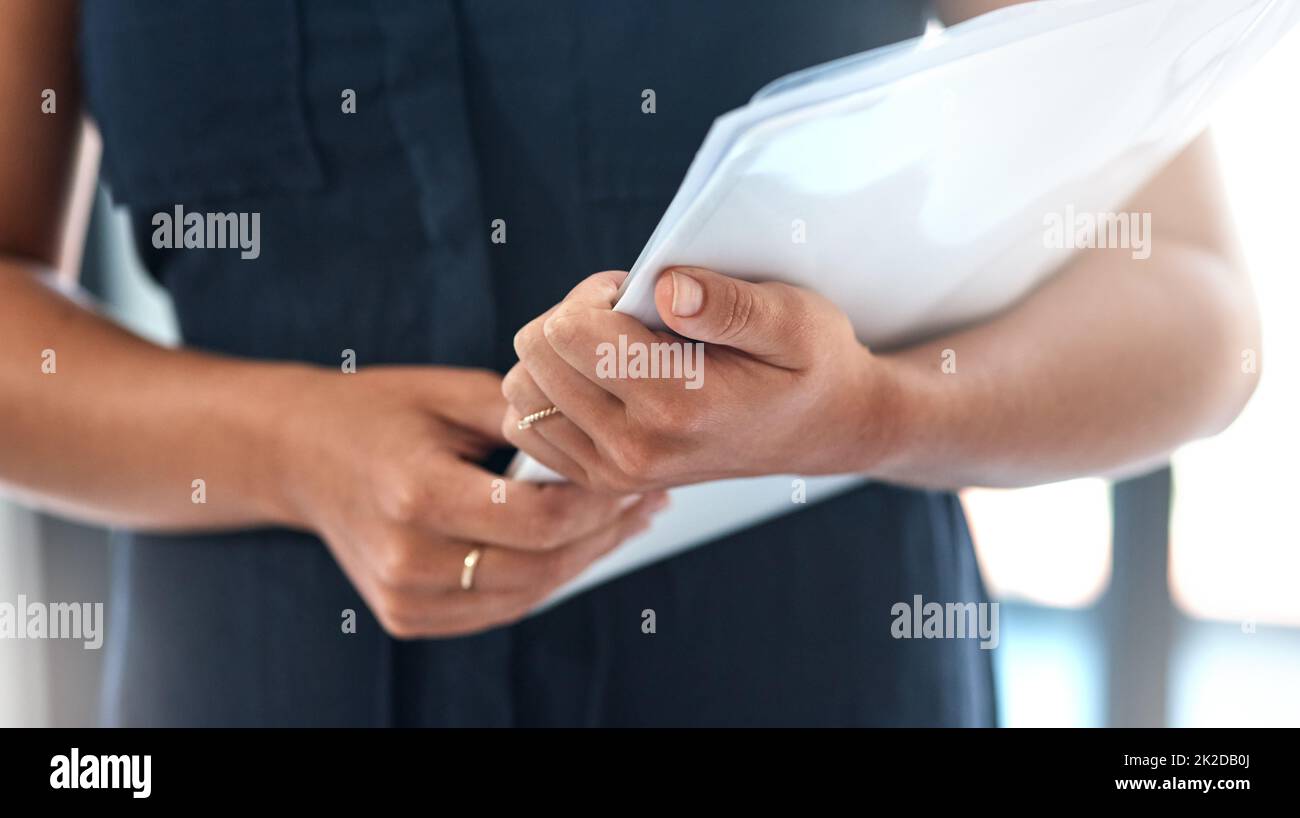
{"x": 590, "y": 401}
{"x": 503, "y": 570}
{"x": 773, "y": 322}
{"x": 469, "y": 398}
{"x": 559, "y": 431}
{"x": 507, "y": 584}
{"x": 598, "y": 289}
{"x": 478, "y": 615}
{"x": 468, "y": 503}
{"x": 540, "y": 449}
{"x": 412, "y": 561}
{"x": 411, "y": 615}
{"x": 613, "y": 351}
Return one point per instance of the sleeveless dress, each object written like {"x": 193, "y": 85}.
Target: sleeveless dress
{"x": 375, "y": 237}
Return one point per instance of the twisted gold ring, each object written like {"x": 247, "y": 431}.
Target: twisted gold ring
{"x": 529, "y": 420}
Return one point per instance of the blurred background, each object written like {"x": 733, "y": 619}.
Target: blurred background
{"x": 1171, "y": 599}
{"x": 1174, "y": 599}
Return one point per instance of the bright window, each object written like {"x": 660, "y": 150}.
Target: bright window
{"x": 1236, "y": 530}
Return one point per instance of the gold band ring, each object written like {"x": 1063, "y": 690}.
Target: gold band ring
{"x": 467, "y": 573}
{"x": 529, "y": 420}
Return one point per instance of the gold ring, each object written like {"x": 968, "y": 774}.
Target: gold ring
{"x": 529, "y": 420}
{"x": 467, "y": 573}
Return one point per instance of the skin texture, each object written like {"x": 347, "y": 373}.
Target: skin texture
{"x": 1107, "y": 367}
{"x": 1103, "y": 370}
{"x": 379, "y": 464}
{"x": 776, "y": 356}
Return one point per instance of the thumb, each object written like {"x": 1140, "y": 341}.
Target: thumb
{"x": 768, "y": 321}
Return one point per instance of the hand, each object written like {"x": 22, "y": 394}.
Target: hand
{"x": 380, "y": 465}
{"x": 783, "y": 386}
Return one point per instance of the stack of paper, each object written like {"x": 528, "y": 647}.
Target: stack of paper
{"x": 913, "y": 185}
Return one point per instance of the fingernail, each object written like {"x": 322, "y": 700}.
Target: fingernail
{"x": 629, "y": 501}
{"x": 688, "y": 295}
{"x": 658, "y": 503}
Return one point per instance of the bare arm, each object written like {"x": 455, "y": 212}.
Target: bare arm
{"x": 105, "y": 426}
{"x": 97, "y": 422}
{"x": 120, "y": 429}
{"x": 1106, "y": 368}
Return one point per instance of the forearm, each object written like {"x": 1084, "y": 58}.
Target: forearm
{"x": 102, "y": 425}
{"x": 1106, "y": 369}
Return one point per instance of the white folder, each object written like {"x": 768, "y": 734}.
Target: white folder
{"x": 912, "y": 186}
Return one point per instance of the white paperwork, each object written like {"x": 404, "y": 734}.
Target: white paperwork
{"x": 920, "y": 177}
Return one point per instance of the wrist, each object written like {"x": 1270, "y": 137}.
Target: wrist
{"x": 279, "y": 437}
{"x": 897, "y": 402}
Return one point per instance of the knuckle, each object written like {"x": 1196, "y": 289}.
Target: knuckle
{"x": 561, "y": 328}
{"x": 806, "y": 316}
{"x": 616, "y": 482}
{"x": 634, "y": 455}
{"x": 514, "y": 386}
{"x": 548, "y": 524}
{"x": 608, "y": 279}
{"x": 526, "y": 338}
{"x": 666, "y": 420}
{"x": 404, "y": 503}
{"x": 395, "y": 621}
{"x": 623, "y": 483}
{"x": 738, "y": 308}
{"x": 403, "y": 497}
{"x": 392, "y": 566}
{"x": 606, "y": 282}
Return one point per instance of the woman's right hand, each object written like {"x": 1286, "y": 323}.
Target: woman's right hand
{"x": 380, "y": 465}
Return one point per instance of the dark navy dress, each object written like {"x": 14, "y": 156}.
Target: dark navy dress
{"x": 375, "y": 237}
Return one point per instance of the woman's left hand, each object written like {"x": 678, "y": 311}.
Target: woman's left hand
{"x": 778, "y": 385}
